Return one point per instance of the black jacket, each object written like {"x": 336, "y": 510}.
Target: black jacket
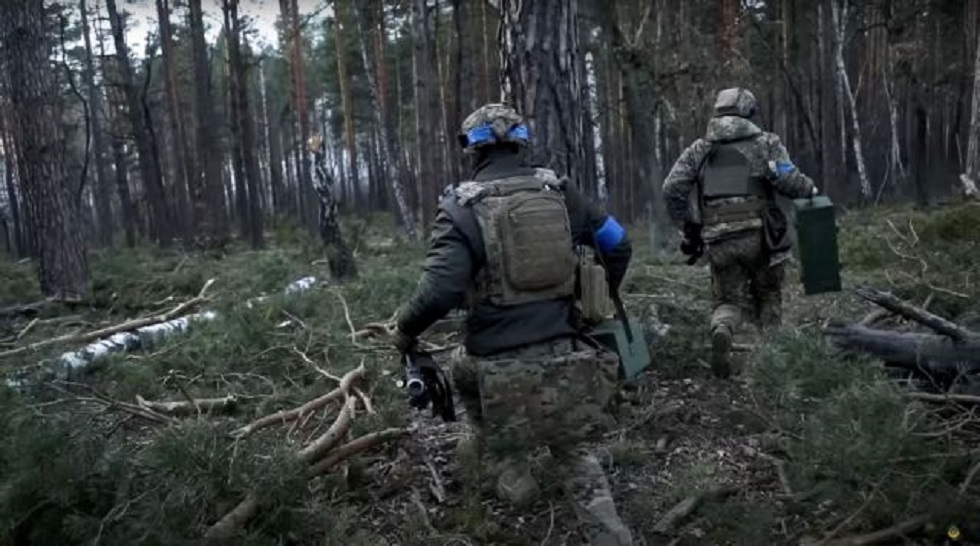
{"x": 456, "y": 254}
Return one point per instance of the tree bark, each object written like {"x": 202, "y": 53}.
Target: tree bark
{"x": 339, "y": 254}
{"x": 52, "y": 208}
{"x": 392, "y": 159}
{"x": 102, "y": 190}
{"x": 541, "y": 77}
{"x": 19, "y": 232}
{"x": 180, "y": 150}
{"x": 427, "y": 149}
{"x": 160, "y": 220}
{"x": 207, "y": 191}
{"x": 908, "y": 350}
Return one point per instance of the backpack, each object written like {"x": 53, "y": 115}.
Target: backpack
{"x": 527, "y": 236}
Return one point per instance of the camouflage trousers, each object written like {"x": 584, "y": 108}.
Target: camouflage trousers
{"x": 744, "y": 281}
{"x": 552, "y": 395}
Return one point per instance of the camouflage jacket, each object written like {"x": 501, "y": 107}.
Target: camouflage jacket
{"x": 456, "y": 254}
{"x": 686, "y": 172}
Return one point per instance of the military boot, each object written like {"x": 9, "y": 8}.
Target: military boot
{"x": 516, "y": 484}
{"x": 721, "y": 344}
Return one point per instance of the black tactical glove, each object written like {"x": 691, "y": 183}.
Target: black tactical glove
{"x": 402, "y": 341}
{"x": 692, "y": 245}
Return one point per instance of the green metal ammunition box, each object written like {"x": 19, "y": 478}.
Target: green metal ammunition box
{"x": 816, "y": 244}
{"x": 633, "y": 357}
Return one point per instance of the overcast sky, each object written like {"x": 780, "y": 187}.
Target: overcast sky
{"x": 263, "y": 12}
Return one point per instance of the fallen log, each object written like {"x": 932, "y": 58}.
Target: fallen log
{"x": 909, "y": 311}
{"x": 136, "y": 338}
{"x": 126, "y": 326}
{"x": 908, "y": 349}
{"x": 191, "y": 407}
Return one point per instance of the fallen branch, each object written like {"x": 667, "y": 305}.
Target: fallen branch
{"x": 354, "y": 447}
{"x": 126, "y": 326}
{"x": 884, "y": 535}
{"x": 688, "y": 506}
{"x": 249, "y": 506}
{"x": 226, "y": 404}
{"x": 333, "y": 436}
{"x": 27, "y": 308}
{"x": 284, "y": 416}
{"x": 907, "y": 310}
{"x": 954, "y": 398}
{"x": 235, "y": 519}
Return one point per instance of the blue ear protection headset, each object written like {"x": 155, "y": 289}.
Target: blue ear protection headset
{"x": 483, "y": 134}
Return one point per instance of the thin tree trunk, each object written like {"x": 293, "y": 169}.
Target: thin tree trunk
{"x": 207, "y": 192}
{"x": 235, "y": 87}
{"x": 102, "y": 190}
{"x": 971, "y": 178}
{"x": 426, "y": 111}
{"x": 160, "y": 220}
{"x": 273, "y": 148}
{"x": 392, "y": 158}
{"x": 181, "y": 151}
{"x": 839, "y": 13}
{"x": 339, "y": 254}
{"x": 51, "y": 205}
{"x": 13, "y": 199}
{"x": 347, "y": 101}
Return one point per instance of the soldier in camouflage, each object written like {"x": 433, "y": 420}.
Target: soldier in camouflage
{"x": 502, "y": 246}
{"x": 726, "y": 192}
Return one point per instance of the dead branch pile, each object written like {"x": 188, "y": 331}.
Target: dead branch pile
{"x": 950, "y": 351}
{"x": 319, "y": 455}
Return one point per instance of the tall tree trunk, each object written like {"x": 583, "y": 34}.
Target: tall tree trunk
{"x": 207, "y": 191}
{"x": 347, "y": 101}
{"x": 641, "y": 101}
{"x": 392, "y": 158}
{"x": 427, "y": 149}
{"x": 161, "y": 222}
{"x": 229, "y": 9}
{"x": 102, "y": 190}
{"x": 51, "y": 205}
{"x": 181, "y": 151}
{"x": 290, "y": 11}
{"x": 541, "y": 77}
{"x": 971, "y": 178}
{"x": 274, "y": 149}
{"x": 238, "y": 67}
{"x": 839, "y": 13}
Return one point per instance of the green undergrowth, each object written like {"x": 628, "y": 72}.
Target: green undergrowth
{"x": 853, "y": 443}
{"x": 72, "y": 470}
{"x": 918, "y": 253}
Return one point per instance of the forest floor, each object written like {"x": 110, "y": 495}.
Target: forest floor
{"x": 803, "y": 447}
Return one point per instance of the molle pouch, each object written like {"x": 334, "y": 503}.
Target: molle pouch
{"x": 593, "y": 300}
{"x": 559, "y": 400}
{"x": 775, "y": 228}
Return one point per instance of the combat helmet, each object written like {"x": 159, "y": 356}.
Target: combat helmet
{"x": 492, "y": 124}
{"x": 735, "y": 101}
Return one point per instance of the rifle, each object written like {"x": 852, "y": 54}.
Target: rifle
{"x": 426, "y": 383}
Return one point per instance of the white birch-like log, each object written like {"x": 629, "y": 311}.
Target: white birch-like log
{"x": 68, "y": 364}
